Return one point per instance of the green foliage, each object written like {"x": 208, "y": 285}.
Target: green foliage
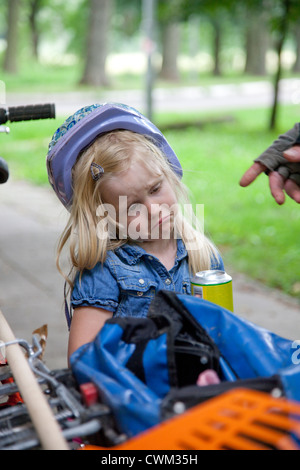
{"x": 63, "y": 25}
{"x": 175, "y": 13}
{"x": 283, "y": 11}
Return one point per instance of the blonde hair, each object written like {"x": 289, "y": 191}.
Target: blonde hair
{"x": 114, "y": 152}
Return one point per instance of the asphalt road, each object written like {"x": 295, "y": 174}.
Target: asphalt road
{"x": 196, "y": 98}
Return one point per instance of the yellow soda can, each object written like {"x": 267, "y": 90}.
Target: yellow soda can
{"x": 214, "y": 286}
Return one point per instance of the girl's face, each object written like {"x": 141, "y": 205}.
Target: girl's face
{"x": 144, "y": 202}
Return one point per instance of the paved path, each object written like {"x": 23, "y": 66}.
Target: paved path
{"x": 31, "y": 290}
{"x": 219, "y": 97}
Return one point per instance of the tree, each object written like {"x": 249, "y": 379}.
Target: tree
{"x": 296, "y": 67}
{"x": 170, "y": 48}
{"x": 282, "y": 15}
{"x": 257, "y": 42}
{"x": 217, "y": 41}
{"x": 97, "y": 43}
{"x": 12, "y": 38}
{"x": 216, "y": 13}
{"x": 33, "y": 8}
{"x": 169, "y": 18}
{"x": 286, "y": 13}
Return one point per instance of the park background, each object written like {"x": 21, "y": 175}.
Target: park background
{"x": 92, "y": 48}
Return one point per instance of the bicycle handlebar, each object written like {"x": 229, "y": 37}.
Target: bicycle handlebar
{"x": 27, "y": 113}
{"x": 23, "y": 113}
{"x": 4, "y": 172}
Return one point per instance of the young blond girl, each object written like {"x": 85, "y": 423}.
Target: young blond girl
{"x": 127, "y": 233}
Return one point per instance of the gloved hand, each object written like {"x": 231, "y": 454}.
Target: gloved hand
{"x": 281, "y": 161}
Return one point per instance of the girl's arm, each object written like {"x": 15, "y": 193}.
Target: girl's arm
{"x": 86, "y": 323}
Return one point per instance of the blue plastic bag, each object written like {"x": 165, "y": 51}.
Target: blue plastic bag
{"x": 246, "y": 351}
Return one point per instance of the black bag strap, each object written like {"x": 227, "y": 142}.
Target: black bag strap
{"x": 167, "y": 303}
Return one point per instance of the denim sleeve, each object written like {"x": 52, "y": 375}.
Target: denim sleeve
{"x": 217, "y": 263}
{"x": 96, "y": 288}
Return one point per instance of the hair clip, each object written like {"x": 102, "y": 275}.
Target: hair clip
{"x": 96, "y": 171}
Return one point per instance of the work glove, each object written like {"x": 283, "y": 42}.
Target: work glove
{"x": 273, "y": 157}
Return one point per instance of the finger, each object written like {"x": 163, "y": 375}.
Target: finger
{"x": 276, "y": 183}
{"x": 292, "y": 190}
{"x": 292, "y": 154}
{"x": 252, "y": 173}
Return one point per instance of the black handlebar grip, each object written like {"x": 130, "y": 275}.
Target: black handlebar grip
{"x": 3, "y": 115}
{"x": 4, "y": 173}
{"x": 30, "y": 112}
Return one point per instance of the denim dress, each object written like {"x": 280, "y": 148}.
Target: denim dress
{"x": 129, "y": 278}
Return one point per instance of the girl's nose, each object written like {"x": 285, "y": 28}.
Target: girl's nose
{"x": 154, "y": 210}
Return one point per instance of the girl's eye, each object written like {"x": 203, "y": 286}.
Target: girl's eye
{"x": 155, "y": 188}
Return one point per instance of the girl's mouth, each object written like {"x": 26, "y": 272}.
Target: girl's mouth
{"x": 162, "y": 220}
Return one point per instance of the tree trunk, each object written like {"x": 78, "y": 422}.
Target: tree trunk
{"x": 34, "y": 9}
{"x": 217, "y": 46}
{"x": 97, "y": 43}
{"x": 296, "y": 67}
{"x": 283, "y": 30}
{"x": 170, "y": 45}
{"x": 257, "y": 39}
{"x": 11, "y": 54}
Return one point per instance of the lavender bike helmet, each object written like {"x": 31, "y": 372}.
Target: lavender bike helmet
{"x": 81, "y": 129}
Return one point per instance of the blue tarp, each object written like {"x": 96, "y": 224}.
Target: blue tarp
{"x": 251, "y": 351}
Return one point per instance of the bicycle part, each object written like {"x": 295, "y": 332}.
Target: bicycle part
{"x": 4, "y": 172}
{"x": 27, "y": 113}
{"x": 238, "y": 420}
{"x": 79, "y": 421}
{"x": 39, "y": 410}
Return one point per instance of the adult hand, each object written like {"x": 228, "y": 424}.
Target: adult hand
{"x": 280, "y": 181}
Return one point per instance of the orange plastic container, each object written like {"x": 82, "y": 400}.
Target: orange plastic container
{"x": 238, "y": 420}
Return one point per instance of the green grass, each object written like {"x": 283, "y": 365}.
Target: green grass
{"x": 35, "y": 77}
{"x": 254, "y": 234}
{"x": 25, "y": 149}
